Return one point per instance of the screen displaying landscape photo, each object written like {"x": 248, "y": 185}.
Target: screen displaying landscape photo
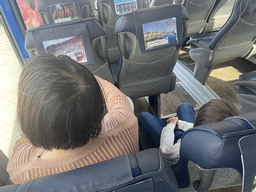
{"x": 125, "y": 6}
{"x": 71, "y": 46}
{"x": 160, "y": 33}
{"x": 63, "y": 12}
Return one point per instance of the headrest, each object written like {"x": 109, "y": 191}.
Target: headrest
{"x": 70, "y": 38}
{"x": 155, "y": 27}
{"x": 123, "y": 6}
{"x": 145, "y": 170}
{"x": 50, "y": 7}
{"x": 215, "y": 145}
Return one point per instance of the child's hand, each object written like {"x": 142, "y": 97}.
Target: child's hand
{"x": 173, "y": 120}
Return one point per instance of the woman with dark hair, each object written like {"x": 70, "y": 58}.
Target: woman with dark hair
{"x": 166, "y": 133}
{"x": 69, "y": 119}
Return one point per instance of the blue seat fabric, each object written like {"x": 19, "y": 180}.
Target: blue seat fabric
{"x": 214, "y": 145}
{"x": 116, "y": 174}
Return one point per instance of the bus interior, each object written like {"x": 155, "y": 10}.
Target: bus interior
{"x": 205, "y": 51}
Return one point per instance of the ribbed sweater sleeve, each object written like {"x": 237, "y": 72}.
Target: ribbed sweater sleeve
{"x": 119, "y": 136}
{"x": 118, "y": 106}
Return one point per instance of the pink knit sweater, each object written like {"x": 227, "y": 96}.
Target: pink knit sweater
{"x": 119, "y": 136}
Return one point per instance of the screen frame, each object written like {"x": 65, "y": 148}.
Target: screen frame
{"x": 157, "y": 32}
{"x": 158, "y": 13}
{"x": 45, "y": 4}
{"x": 64, "y": 30}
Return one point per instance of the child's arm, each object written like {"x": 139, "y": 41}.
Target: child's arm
{"x": 167, "y": 138}
{"x": 170, "y": 151}
{"x": 167, "y": 135}
{"x": 183, "y": 125}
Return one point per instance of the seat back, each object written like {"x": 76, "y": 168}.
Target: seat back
{"x": 219, "y": 15}
{"x": 55, "y": 11}
{"x": 149, "y": 41}
{"x": 4, "y": 177}
{"x": 144, "y": 171}
{"x": 108, "y": 12}
{"x": 247, "y": 92}
{"x": 248, "y": 154}
{"x": 83, "y": 40}
{"x": 232, "y": 41}
{"x": 247, "y": 83}
{"x": 214, "y": 145}
{"x": 161, "y": 2}
{"x": 198, "y": 11}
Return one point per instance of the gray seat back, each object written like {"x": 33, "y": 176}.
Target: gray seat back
{"x": 198, "y": 11}
{"x": 247, "y": 92}
{"x": 83, "y": 40}
{"x": 54, "y": 11}
{"x": 4, "y": 177}
{"x": 234, "y": 40}
{"x": 144, "y": 171}
{"x": 108, "y": 12}
{"x": 147, "y": 68}
{"x": 247, "y": 83}
{"x": 219, "y": 15}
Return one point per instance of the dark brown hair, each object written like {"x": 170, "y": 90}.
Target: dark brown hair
{"x": 214, "y": 111}
{"x": 60, "y": 103}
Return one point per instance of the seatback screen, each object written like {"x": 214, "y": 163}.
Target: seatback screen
{"x": 71, "y": 46}
{"x": 63, "y": 12}
{"x": 160, "y": 33}
{"x": 125, "y": 6}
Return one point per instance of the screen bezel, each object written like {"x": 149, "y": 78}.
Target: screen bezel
{"x": 64, "y": 30}
{"x": 158, "y": 13}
